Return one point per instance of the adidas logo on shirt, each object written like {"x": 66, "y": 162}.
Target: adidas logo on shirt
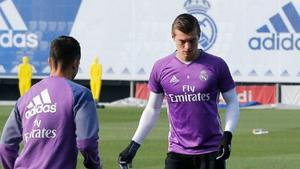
{"x": 174, "y": 79}
{"x": 13, "y": 29}
{"x": 40, "y": 104}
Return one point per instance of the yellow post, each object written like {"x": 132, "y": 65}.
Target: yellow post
{"x": 24, "y": 75}
{"x": 96, "y": 79}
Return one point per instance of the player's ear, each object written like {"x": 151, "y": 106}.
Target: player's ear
{"x": 173, "y": 35}
{"x": 50, "y": 62}
{"x": 75, "y": 64}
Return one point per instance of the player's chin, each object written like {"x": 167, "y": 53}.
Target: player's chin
{"x": 187, "y": 54}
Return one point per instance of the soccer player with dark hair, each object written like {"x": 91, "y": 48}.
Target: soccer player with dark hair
{"x": 54, "y": 119}
{"x": 191, "y": 80}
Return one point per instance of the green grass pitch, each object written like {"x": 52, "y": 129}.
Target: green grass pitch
{"x": 277, "y": 150}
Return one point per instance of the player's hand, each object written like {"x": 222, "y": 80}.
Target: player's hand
{"x": 127, "y": 155}
{"x": 225, "y": 146}
{"x": 125, "y": 165}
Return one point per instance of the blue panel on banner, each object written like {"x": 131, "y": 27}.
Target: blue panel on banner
{"x": 27, "y": 28}
{"x": 278, "y": 24}
{"x": 247, "y": 104}
{"x": 263, "y": 29}
{"x": 293, "y": 16}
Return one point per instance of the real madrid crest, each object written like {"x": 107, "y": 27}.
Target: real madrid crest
{"x": 203, "y": 76}
{"x": 199, "y": 8}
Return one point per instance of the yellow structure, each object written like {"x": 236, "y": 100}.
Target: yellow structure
{"x": 96, "y": 79}
{"x": 24, "y": 75}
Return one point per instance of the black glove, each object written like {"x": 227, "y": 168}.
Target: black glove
{"x": 225, "y": 146}
{"x": 126, "y": 156}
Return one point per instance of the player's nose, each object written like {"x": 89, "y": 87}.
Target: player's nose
{"x": 187, "y": 46}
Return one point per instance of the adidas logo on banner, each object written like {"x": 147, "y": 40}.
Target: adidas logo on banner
{"x": 282, "y": 34}
{"x": 174, "y": 79}
{"x": 13, "y": 17}
{"x": 12, "y": 22}
{"x": 40, "y": 104}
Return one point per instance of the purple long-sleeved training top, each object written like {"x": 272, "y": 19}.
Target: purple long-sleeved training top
{"x": 54, "y": 119}
{"x": 192, "y": 92}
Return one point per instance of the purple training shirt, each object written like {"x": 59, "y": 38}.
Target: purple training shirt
{"x": 54, "y": 119}
{"x": 192, "y": 92}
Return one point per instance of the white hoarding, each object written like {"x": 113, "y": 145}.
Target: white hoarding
{"x": 260, "y": 40}
{"x": 290, "y": 95}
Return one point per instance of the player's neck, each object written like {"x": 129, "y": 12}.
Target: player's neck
{"x": 188, "y": 59}
{"x": 60, "y": 73}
